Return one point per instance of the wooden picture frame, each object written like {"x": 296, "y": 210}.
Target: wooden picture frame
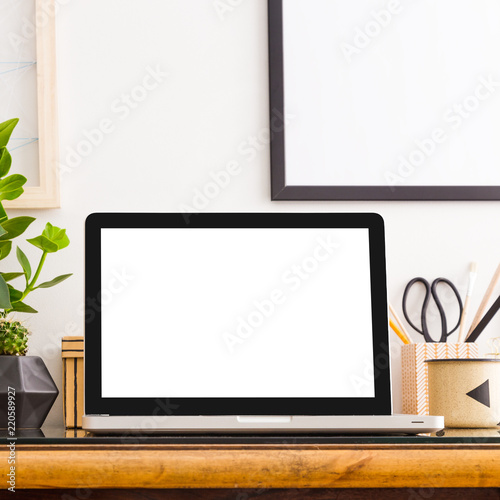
{"x": 46, "y": 193}
{"x": 295, "y": 172}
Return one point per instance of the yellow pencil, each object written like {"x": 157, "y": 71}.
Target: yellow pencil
{"x": 400, "y": 325}
{"x": 399, "y": 333}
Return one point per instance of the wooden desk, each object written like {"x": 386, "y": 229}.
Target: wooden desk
{"x": 266, "y": 466}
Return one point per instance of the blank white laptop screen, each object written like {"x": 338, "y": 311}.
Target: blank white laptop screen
{"x": 235, "y": 313}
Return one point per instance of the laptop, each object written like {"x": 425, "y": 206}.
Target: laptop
{"x": 239, "y": 323}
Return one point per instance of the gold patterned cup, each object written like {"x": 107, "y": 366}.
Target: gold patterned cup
{"x": 465, "y": 391}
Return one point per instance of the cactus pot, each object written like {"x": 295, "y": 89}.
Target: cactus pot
{"x": 34, "y": 395}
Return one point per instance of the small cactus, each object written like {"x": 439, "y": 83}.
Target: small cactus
{"x": 13, "y": 337}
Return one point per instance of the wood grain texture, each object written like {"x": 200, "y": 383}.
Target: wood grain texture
{"x": 256, "y": 466}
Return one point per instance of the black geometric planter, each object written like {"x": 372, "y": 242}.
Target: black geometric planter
{"x": 35, "y": 391}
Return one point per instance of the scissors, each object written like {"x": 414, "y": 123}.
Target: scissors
{"x": 430, "y": 290}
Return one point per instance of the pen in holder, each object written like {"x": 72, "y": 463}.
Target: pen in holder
{"x": 415, "y": 374}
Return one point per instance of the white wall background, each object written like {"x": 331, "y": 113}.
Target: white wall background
{"x": 201, "y": 116}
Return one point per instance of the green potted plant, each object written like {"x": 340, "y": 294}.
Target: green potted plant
{"x": 27, "y": 390}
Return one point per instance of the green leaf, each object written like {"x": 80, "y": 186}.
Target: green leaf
{"x": 12, "y": 182}
{"x": 22, "y": 307}
{"x": 11, "y": 187}
{"x": 11, "y": 195}
{"x": 15, "y": 227}
{"x": 5, "y": 248}
{"x": 10, "y": 276}
{"x": 15, "y": 295}
{"x": 25, "y": 263}
{"x": 6, "y": 129}
{"x": 2, "y": 231}
{"x": 51, "y": 240}
{"x": 5, "y": 162}
{"x": 53, "y": 282}
{"x": 43, "y": 243}
{"x": 4, "y": 295}
{"x": 56, "y": 235}
{"x": 3, "y": 213}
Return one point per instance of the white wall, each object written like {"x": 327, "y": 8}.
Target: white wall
{"x": 199, "y": 118}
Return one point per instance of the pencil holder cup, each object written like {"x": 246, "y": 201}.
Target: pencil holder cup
{"x": 465, "y": 391}
{"x": 414, "y": 370}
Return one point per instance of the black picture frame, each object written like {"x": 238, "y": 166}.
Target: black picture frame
{"x": 281, "y": 191}
{"x": 96, "y": 404}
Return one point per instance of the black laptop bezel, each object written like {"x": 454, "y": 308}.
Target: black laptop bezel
{"x": 95, "y": 404}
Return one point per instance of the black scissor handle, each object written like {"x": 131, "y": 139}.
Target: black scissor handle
{"x": 423, "y": 321}
{"x": 444, "y": 327}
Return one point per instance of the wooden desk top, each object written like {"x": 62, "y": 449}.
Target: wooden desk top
{"x": 280, "y": 462}
{"x": 270, "y": 466}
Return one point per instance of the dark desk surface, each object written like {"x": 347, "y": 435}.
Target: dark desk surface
{"x": 59, "y": 436}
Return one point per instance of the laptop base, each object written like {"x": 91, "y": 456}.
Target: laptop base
{"x": 337, "y": 424}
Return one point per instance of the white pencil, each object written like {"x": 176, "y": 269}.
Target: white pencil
{"x": 470, "y": 288}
